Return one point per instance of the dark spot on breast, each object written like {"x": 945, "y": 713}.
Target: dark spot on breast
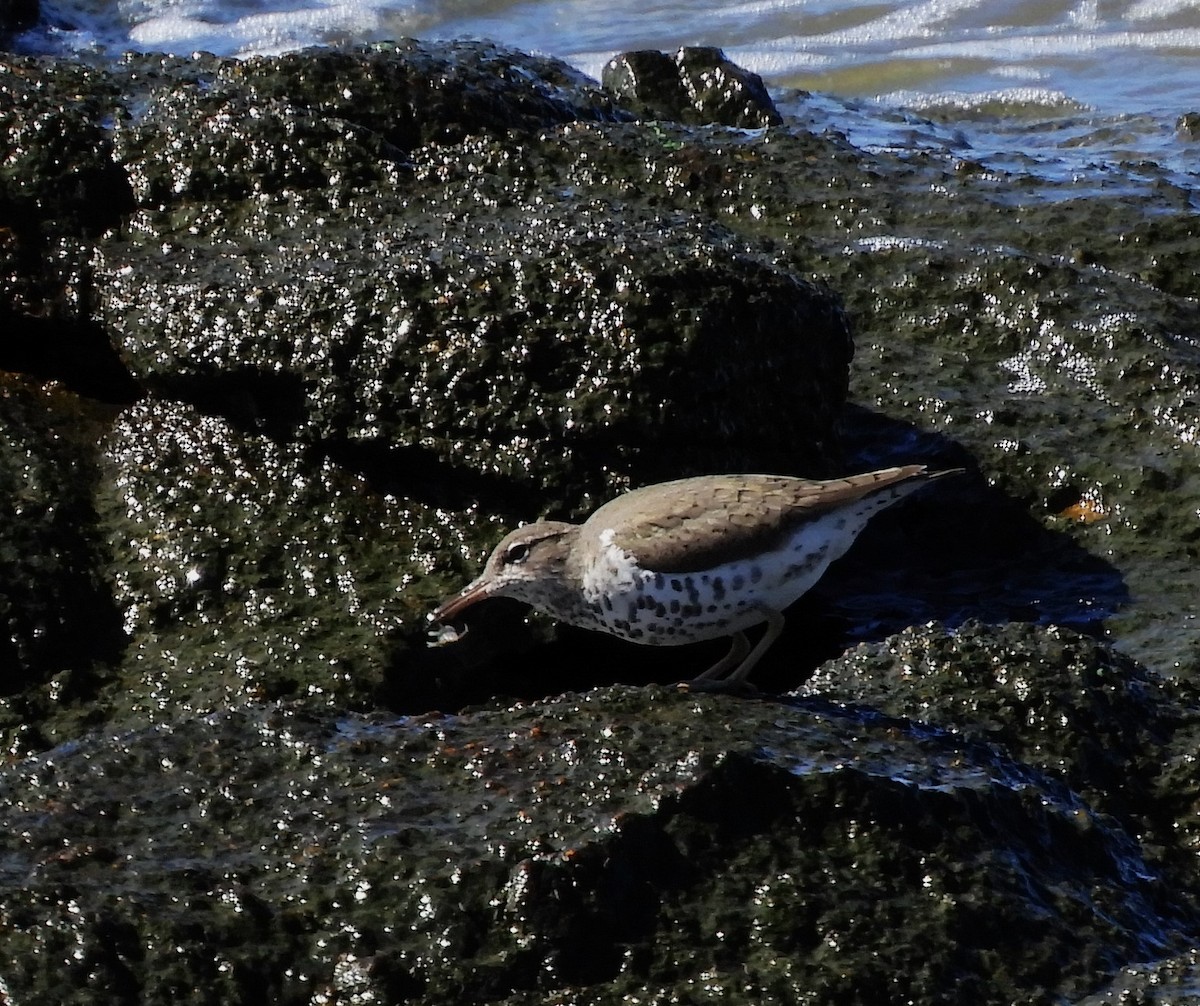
{"x": 607, "y": 603}
{"x": 675, "y": 606}
{"x": 660, "y": 610}
{"x": 677, "y": 585}
{"x": 718, "y": 587}
{"x": 659, "y": 580}
{"x": 806, "y": 566}
{"x": 755, "y": 574}
{"x": 738, "y": 582}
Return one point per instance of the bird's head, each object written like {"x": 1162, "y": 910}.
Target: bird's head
{"x": 525, "y": 565}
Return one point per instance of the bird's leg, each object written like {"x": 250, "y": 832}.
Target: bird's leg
{"x": 774, "y": 628}
{"x": 737, "y": 653}
{"x": 715, "y": 679}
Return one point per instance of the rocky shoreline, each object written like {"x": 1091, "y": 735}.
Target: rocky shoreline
{"x": 289, "y": 341}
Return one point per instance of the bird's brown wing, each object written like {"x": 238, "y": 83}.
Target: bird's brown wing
{"x": 695, "y": 524}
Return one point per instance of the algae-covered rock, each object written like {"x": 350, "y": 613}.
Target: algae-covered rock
{"x": 585, "y": 848}
{"x": 248, "y": 570}
{"x": 338, "y": 245}
{"x": 597, "y": 354}
{"x": 1049, "y": 697}
{"x": 412, "y": 92}
{"x": 192, "y": 143}
{"x": 327, "y": 120}
{"x": 60, "y": 186}
{"x": 55, "y": 130}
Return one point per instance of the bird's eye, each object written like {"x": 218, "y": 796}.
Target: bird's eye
{"x": 517, "y": 552}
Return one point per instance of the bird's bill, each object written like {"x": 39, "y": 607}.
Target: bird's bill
{"x": 460, "y": 602}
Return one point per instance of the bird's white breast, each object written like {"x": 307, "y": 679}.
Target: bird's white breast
{"x": 671, "y": 608}
{"x": 612, "y": 572}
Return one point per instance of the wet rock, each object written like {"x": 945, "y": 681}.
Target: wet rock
{"x": 1070, "y": 706}
{"x": 59, "y": 186}
{"x": 192, "y": 144}
{"x": 1188, "y": 126}
{"x": 412, "y": 92}
{"x": 331, "y": 120}
{"x": 553, "y": 365}
{"x": 1049, "y": 697}
{"x": 1048, "y": 357}
{"x": 1174, "y": 980}
{"x": 648, "y": 81}
{"x": 248, "y": 570}
{"x": 387, "y": 301}
{"x": 723, "y": 92}
{"x": 699, "y": 86}
{"x": 602, "y": 846}
{"x": 1176, "y": 787}
{"x": 212, "y": 128}
{"x": 321, "y": 270}
{"x": 360, "y": 311}
{"x": 59, "y": 176}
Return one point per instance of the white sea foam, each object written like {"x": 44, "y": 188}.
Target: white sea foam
{"x": 1071, "y": 44}
{"x": 230, "y": 32}
{"x": 1025, "y": 98}
{"x": 1146, "y": 10}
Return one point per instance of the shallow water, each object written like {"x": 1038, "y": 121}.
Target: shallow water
{"x": 1058, "y": 90}
{"x": 1136, "y": 56}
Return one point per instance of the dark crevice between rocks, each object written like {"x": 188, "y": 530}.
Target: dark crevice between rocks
{"x": 276, "y": 405}
{"x": 84, "y": 197}
{"x": 420, "y": 474}
{"x": 77, "y": 355}
{"x": 253, "y": 401}
{"x": 84, "y": 639}
{"x": 61, "y": 631}
{"x": 868, "y": 440}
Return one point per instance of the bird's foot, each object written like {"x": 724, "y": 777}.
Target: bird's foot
{"x": 740, "y": 687}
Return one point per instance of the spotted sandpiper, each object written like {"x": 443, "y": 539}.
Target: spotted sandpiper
{"x": 689, "y": 560}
